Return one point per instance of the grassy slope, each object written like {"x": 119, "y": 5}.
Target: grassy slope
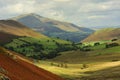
{"x": 104, "y": 34}
{"x": 74, "y": 71}
{"x": 78, "y": 56}
{"x": 100, "y": 62}
{"x": 29, "y": 46}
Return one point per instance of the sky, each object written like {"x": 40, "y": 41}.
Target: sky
{"x": 87, "y": 13}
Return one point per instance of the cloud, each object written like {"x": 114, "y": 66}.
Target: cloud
{"x": 96, "y": 17}
{"x": 80, "y": 12}
{"x": 62, "y": 0}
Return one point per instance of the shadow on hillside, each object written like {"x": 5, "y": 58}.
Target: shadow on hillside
{"x": 105, "y": 74}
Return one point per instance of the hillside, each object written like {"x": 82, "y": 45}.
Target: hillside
{"x": 39, "y": 48}
{"x": 99, "y": 63}
{"x": 54, "y": 28}
{"x": 104, "y": 34}
{"x": 19, "y": 38}
{"x": 16, "y": 67}
{"x": 96, "y": 55}
{"x": 15, "y": 28}
{"x": 6, "y": 37}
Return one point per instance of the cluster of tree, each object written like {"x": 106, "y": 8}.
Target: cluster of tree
{"x": 38, "y": 51}
{"x": 86, "y": 48}
{"x": 84, "y": 66}
{"x": 96, "y": 44}
{"x": 109, "y": 45}
{"x": 114, "y": 39}
{"x": 62, "y": 65}
{"x": 60, "y": 48}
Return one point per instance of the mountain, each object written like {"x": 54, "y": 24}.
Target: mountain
{"x": 104, "y": 34}
{"x": 17, "y": 67}
{"x": 54, "y": 28}
{"x": 21, "y": 39}
{"x": 15, "y": 28}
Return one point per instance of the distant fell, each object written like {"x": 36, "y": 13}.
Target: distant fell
{"x": 15, "y": 28}
{"x": 104, "y": 34}
{"x": 54, "y": 28}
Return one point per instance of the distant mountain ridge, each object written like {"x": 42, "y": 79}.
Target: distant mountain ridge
{"x": 104, "y": 34}
{"x": 54, "y": 28}
{"x": 102, "y": 27}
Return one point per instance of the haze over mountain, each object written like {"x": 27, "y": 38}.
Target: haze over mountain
{"x": 104, "y": 34}
{"x": 101, "y": 27}
{"x": 15, "y": 28}
{"x": 54, "y": 28}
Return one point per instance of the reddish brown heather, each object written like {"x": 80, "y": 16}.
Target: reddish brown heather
{"x": 20, "y": 69}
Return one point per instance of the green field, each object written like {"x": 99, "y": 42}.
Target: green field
{"x": 39, "y": 48}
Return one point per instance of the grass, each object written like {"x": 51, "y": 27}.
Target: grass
{"x": 74, "y": 71}
{"x": 102, "y": 64}
{"x": 39, "y": 48}
{"x": 99, "y": 60}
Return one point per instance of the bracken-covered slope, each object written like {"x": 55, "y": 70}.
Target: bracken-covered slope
{"x": 16, "y": 67}
{"x": 104, "y": 34}
{"x": 54, "y": 28}
{"x": 15, "y": 28}
{"x": 6, "y": 37}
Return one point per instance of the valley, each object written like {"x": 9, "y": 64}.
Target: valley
{"x": 100, "y": 64}
{"x": 33, "y": 47}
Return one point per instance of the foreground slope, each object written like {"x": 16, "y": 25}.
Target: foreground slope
{"x": 54, "y": 28}
{"x": 104, "y": 34}
{"x": 15, "y": 28}
{"x": 18, "y": 68}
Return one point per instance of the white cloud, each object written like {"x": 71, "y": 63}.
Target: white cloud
{"x": 57, "y": 15}
{"x": 96, "y": 17}
{"x": 77, "y": 11}
{"x": 62, "y": 0}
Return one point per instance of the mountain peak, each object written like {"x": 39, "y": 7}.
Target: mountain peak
{"x": 33, "y": 14}
{"x": 27, "y": 15}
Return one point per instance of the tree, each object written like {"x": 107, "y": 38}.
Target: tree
{"x": 111, "y": 45}
{"x": 48, "y": 40}
{"x": 96, "y": 44}
{"x": 114, "y": 39}
{"x": 84, "y": 66}
{"x": 58, "y": 37}
{"x": 66, "y": 66}
{"x": 11, "y": 48}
